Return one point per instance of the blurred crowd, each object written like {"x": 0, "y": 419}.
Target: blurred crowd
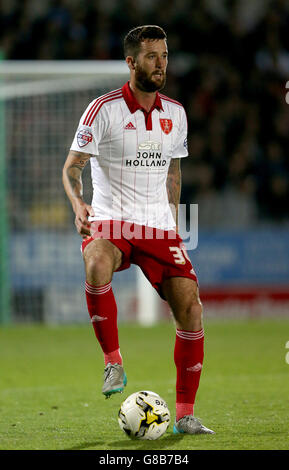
{"x": 228, "y": 65}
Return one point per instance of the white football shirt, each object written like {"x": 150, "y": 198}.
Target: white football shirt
{"x": 130, "y": 152}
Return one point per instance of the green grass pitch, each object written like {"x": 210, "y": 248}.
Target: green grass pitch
{"x": 51, "y": 379}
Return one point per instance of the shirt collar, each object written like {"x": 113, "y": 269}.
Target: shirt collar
{"x": 133, "y": 105}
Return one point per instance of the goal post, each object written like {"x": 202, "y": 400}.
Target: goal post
{"x": 43, "y": 102}
{"x": 5, "y": 306}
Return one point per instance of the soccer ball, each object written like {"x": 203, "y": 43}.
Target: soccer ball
{"x": 144, "y": 415}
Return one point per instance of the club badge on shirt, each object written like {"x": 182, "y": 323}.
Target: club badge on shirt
{"x": 166, "y": 125}
{"x": 84, "y": 136}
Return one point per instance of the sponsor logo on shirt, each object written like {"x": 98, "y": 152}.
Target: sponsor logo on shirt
{"x": 149, "y": 155}
{"x": 84, "y": 137}
{"x": 150, "y": 145}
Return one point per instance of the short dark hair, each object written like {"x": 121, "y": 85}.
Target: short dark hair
{"x": 134, "y": 38}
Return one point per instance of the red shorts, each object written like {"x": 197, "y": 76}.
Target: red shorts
{"x": 160, "y": 254}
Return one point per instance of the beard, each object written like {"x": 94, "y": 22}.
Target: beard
{"x": 144, "y": 81}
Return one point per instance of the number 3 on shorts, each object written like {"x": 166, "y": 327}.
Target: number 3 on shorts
{"x": 179, "y": 254}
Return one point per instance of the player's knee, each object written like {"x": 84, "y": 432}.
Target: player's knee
{"x": 195, "y": 309}
{"x": 97, "y": 264}
{"x": 191, "y": 317}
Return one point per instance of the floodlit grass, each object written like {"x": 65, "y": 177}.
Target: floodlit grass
{"x": 51, "y": 379}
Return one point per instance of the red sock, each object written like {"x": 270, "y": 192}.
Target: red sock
{"x": 113, "y": 357}
{"x": 103, "y": 313}
{"x": 188, "y": 355}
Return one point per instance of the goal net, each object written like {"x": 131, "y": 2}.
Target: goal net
{"x": 42, "y": 273}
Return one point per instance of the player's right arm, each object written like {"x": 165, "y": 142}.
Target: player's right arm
{"x": 72, "y": 182}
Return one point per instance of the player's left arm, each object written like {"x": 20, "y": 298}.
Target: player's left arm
{"x": 174, "y": 186}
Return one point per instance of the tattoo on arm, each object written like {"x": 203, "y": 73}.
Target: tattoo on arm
{"x": 72, "y": 172}
{"x": 74, "y": 178}
{"x": 81, "y": 159}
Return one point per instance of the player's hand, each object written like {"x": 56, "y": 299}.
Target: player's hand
{"x": 82, "y": 212}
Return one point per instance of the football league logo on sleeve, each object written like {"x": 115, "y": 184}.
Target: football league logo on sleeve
{"x": 166, "y": 125}
{"x": 84, "y": 137}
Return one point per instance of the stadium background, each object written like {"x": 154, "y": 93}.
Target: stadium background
{"x": 228, "y": 65}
